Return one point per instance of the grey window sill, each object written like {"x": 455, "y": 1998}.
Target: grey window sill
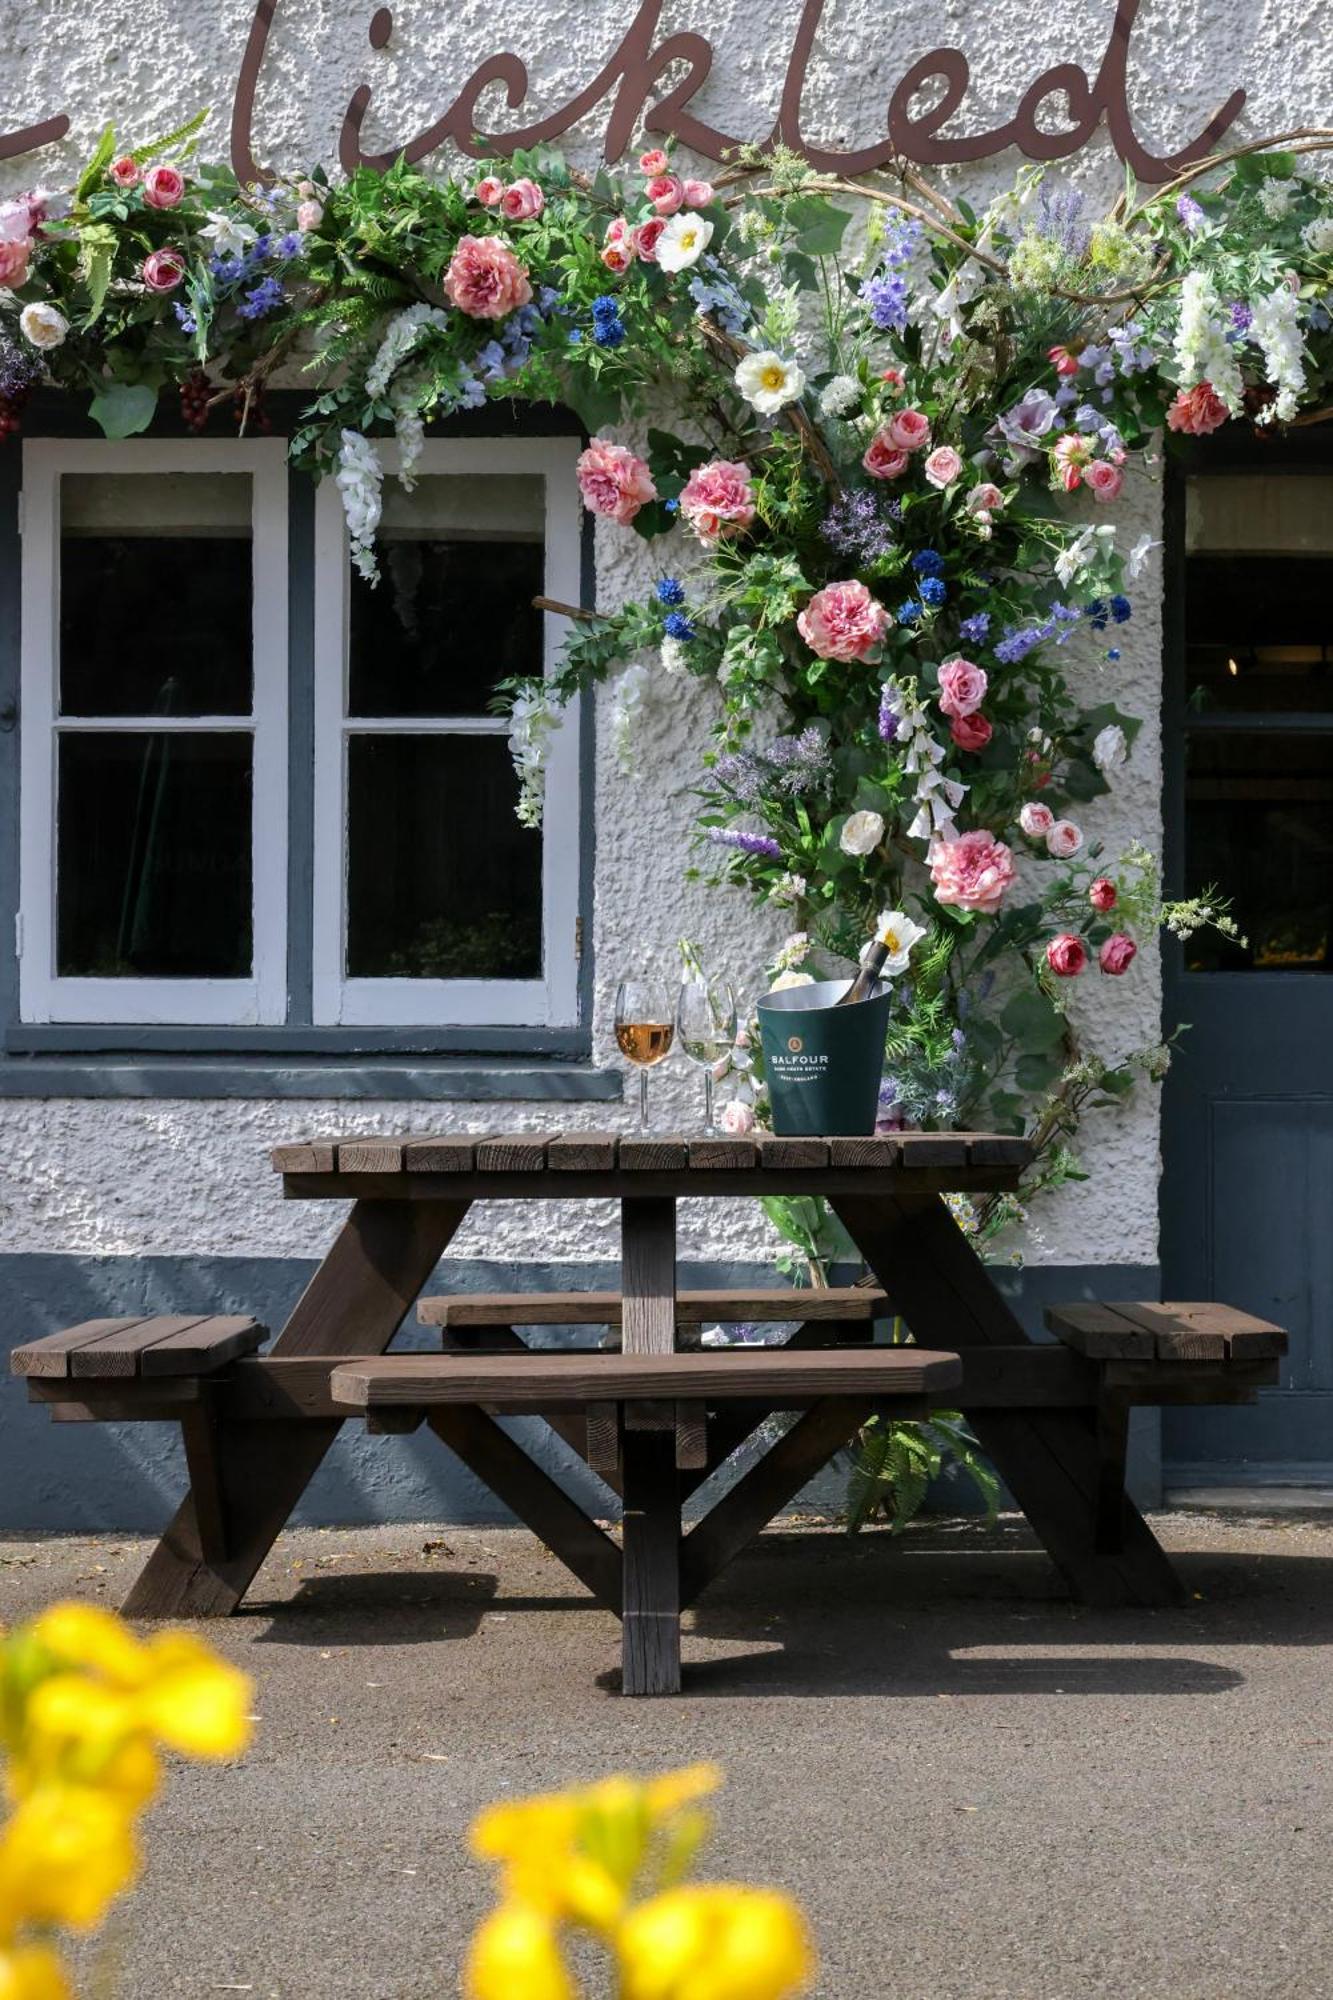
{"x": 447, "y": 1081}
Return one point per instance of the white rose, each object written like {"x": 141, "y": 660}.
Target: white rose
{"x": 862, "y": 833}
{"x": 786, "y": 979}
{"x": 1036, "y": 820}
{"x": 736, "y": 1119}
{"x": 896, "y": 930}
{"x": 1064, "y": 839}
{"x": 683, "y": 241}
{"x": 1109, "y": 749}
{"x": 43, "y": 326}
{"x": 767, "y": 382}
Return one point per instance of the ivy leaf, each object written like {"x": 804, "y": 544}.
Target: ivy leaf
{"x": 123, "y": 409}
{"x": 1032, "y": 1021}
{"x": 1035, "y": 1072}
{"x": 819, "y": 224}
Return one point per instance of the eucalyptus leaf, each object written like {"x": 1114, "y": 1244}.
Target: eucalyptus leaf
{"x": 123, "y": 409}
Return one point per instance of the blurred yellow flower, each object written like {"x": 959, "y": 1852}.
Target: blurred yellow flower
{"x": 516, "y": 1953}
{"x": 715, "y": 1942}
{"x": 94, "y": 1640}
{"x": 65, "y": 1854}
{"x": 195, "y": 1702}
{"x": 31, "y": 1972}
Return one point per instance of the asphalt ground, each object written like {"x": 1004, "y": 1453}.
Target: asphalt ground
{"x": 978, "y": 1791}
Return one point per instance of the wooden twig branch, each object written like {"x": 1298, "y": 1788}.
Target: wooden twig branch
{"x": 562, "y": 610}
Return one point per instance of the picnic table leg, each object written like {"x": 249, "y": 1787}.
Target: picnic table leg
{"x": 650, "y": 1638}
{"x": 354, "y": 1304}
{"x": 1048, "y": 1458}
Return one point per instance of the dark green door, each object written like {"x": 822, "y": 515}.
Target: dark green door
{"x": 1247, "y": 1204}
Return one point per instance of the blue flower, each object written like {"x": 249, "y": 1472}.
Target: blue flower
{"x": 1113, "y": 652}
{"x": 185, "y": 318}
{"x": 1121, "y": 609}
{"x": 677, "y": 626}
{"x": 933, "y": 592}
{"x": 226, "y": 269}
{"x": 1096, "y": 612}
{"x": 266, "y": 297}
{"x": 492, "y": 361}
{"x": 671, "y": 506}
{"x": 1190, "y": 213}
{"x": 605, "y": 306}
{"x": 974, "y": 629}
{"x": 886, "y": 303}
{"x": 928, "y": 562}
{"x": 471, "y": 392}
{"x": 289, "y": 245}
{"x": 670, "y": 590}
{"x": 608, "y": 332}
{"x": 574, "y": 336}
{"x": 910, "y": 612}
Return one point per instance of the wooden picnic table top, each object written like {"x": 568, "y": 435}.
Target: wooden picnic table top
{"x": 528, "y": 1165}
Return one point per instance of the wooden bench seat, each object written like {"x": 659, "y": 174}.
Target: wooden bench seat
{"x": 119, "y": 1349}
{"x": 539, "y": 1381}
{"x": 859, "y": 1303}
{"x": 1117, "y": 1330}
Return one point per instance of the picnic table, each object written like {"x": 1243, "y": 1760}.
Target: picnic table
{"x": 653, "y": 1417}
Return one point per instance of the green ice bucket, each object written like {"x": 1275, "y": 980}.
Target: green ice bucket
{"x": 823, "y": 1062}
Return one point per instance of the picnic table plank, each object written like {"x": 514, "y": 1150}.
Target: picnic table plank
{"x": 667, "y": 1154}
{"x": 717, "y": 1149}
{"x": 51, "y": 1355}
{"x": 512, "y": 1153}
{"x": 648, "y": 1276}
{"x": 454, "y": 1153}
{"x": 117, "y": 1355}
{"x": 542, "y": 1376}
{"x": 306, "y": 1156}
{"x": 370, "y": 1156}
{"x": 783, "y": 1153}
{"x": 694, "y": 1308}
{"x": 582, "y": 1152}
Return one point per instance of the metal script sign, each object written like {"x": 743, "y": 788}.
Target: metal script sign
{"x": 632, "y": 75}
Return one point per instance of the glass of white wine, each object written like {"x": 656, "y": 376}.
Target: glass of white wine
{"x": 645, "y": 1030}
{"x": 706, "y": 1024}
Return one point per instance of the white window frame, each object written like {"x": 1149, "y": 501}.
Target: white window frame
{"x": 44, "y": 995}
{"x": 552, "y": 1000}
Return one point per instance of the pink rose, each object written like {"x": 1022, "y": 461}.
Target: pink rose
{"x": 653, "y": 162}
{"x": 485, "y": 279}
{"x": 14, "y": 254}
{"x": 884, "y": 459}
{"x": 1197, "y": 411}
{"x": 613, "y": 481}
{"x": 618, "y": 256}
{"x": 962, "y": 687}
{"x": 309, "y": 216}
{"x": 970, "y": 732}
{"x": 984, "y": 499}
{"x": 124, "y": 172}
{"x": 163, "y": 187}
{"x": 1036, "y": 820}
{"x": 1102, "y": 893}
{"x": 972, "y": 872}
{"x": 1104, "y": 479}
{"x": 943, "y": 466}
{"x": 909, "y": 430}
{"x": 163, "y": 271}
{"x": 1063, "y": 839}
{"x": 1117, "y": 954}
{"x": 666, "y": 192}
{"x": 844, "y": 622}
{"x": 717, "y": 500}
{"x": 644, "y": 239}
{"x": 698, "y": 194}
{"x": 1066, "y": 955}
{"x": 736, "y": 1119}
{"x": 488, "y": 191}
{"x": 894, "y": 377}
{"x": 522, "y": 200}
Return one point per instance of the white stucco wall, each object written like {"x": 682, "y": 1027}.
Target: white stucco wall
{"x": 191, "y": 1178}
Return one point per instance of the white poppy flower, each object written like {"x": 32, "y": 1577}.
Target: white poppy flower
{"x": 786, "y": 979}
{"x": 1110, "y": 748}
{"x": 683, "y": 241}
{"x": 862, "y": 833}
{"x": 42, "y": 326}
{"x": 767, "y": 382}
{"x": 896, "y": 930}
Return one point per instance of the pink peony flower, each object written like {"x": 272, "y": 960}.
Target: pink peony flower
{"x": 943, "y": 466}
{"x": 309, "y": 216}
{"x": 717, "y": 500}
{"x": 970, "y": 732}
{"x": 1063, "y": 839}
{"x": 666, "y": 192}
{"x": 613, "y": 481}
{"x": 1197, "y": 411}
{"x": 972, "y": 872}
{"x": 698, "y": 194}
{"x": 984, "y": 499}
{"x": 654, "y": 162}
{"x": 522, "y": 200}
{"x": 1036, "y": 820}
{"x": 844, "y": 622}
{"x": 163, "y": 270}
{"x": 14, "y": 254}
{"x": 488, "y": 191}
{"x": 124, "y": 172}
{"x": 644, "y": 239}
{"x": 1104, "y": 480}
{"x": 163, "y": 187}
{"x": 1066, "y": 955}
{"x": 1117, "y": 954}
{"x": 885, "y": 460}
{"x": 962, "y": 687}
{"x": 909, "y": 430}
{"x": 1102, "y": 893}
{"x": 485, "y": 279}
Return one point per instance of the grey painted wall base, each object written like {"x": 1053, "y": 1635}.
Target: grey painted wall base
{"x": 108, "y": 1477}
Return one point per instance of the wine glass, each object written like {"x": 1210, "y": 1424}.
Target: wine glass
{"x": 644, "y": 1030}
{"x": 706, "y": 1024}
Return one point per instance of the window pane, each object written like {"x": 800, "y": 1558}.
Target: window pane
{"x": 1259, "y": 632}
{"x": 153, "y": 855}
{"x": 1259, "y": 825}
{"x": 156, "y": 594}
{"x": 442, "y": 881}
{"x": 461, "y": 560}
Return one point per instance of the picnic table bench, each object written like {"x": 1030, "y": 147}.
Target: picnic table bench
{"x": 653, "y": 1416}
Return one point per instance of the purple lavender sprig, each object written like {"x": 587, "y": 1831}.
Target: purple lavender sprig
{"x": 758, "y": 844}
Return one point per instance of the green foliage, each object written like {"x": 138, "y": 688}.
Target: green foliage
{"x": 896, "y": 1462}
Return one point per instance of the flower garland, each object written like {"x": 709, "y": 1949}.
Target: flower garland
{"x": 906, "y": 431}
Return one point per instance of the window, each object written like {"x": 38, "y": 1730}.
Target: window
{"x": 169, "y": 797}
{"x": 432, "y": 902}
{"x": 154, "y": 758}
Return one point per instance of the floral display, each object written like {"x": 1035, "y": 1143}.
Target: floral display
{"x": 904, "y": 434}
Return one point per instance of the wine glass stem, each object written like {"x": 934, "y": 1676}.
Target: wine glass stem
{"x": 643, "y": 1099}
{"x": 708, "y": 1100}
